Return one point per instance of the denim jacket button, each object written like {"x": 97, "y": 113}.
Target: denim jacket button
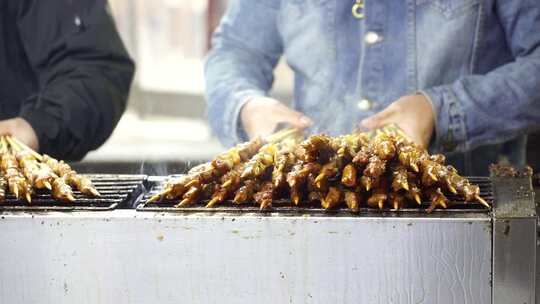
{"x": 365, "y": 105}
{"x": 372, "y": 38}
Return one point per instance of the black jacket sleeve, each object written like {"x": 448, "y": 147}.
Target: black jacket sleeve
{"x": 83, "y": 72}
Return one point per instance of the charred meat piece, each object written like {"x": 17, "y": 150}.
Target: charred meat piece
{"x": 37, "y": 175}
{"x": 297, "y": 179}
{"x": 70, "y": 176}
{"x": 368, "y": 182}
{"x": 258, "y": 164}
{"x": 397, "y": 200}
{"x": 438, "y": 158}
{"x": 265, "y": 196}
{"x": 375, "y": 168}
{"x": 3, "y": 188}
{"x": 414, "y": 193}
{"x": 230, "y": 182}
{"x": 245, "y": 193}
{"x": 464, "y": 188}
{"x": 225, "y": 162}
{"x": 284, "y": 162}
{"x": 349, "y": 176}
{"x": 190, "y": 197}
{"x": 16, "y": 182}
{"x": 400, "y": 179}
{"x": 383, "y": 147}
{"x": 437, "y": 199}
{"x": 361, "y": 159}
{"x": 353, "y": 199}
{"x": 332, "y": 199}
{"x": 315, "y": 148}
{"x": 62, "y": 191}
{"x": 378, "y": 198}
{"x": 329, "y": 170}
{"x": 209, "y": 172}
{"x": 429, "y": 171}
{"x": 410, "y": 156}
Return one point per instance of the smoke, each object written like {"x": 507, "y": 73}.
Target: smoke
{"x": 160, "y": 168}
{"x": 165, "y": 168}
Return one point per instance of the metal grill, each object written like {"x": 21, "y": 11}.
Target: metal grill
{"x": 116, "y": 191}
{"x": 457, "y": 205}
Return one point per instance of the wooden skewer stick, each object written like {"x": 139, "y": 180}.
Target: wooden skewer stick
{"x": 417, "y": 199}
{"x": 25, "y": 147}
{"x": 282, "y": 135}
{"x": 3, "y": 145}
{"x": 12, "y": 144}
{"x": 482, "y": 201}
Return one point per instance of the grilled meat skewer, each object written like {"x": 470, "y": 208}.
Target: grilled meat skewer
{"x": 62, "y": 191}
{"x": 36, "y": 174}
{"x": 17, "y": 184}
{"x": 437, "y": 199}
{"x": 230, "y": 182}
{"x": 71, "y": 177}
{"x": 265, "y": 196}
{"x": 246, "y": 192}
{"x": 332, "y": 199}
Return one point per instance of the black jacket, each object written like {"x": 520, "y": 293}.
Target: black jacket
{"x": 64, "y": 69}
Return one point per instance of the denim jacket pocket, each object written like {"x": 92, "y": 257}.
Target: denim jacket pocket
{"x": 450, "y": 9}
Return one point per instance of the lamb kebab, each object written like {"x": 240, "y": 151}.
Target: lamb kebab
{"x": 16, "y": 183}
{"x": 384, "y": 170}
{"x": 3, "y": 188}
{"x": 71, "y": 177}
{"x": 208, "y": 172}
{"x": 230, "y": 182}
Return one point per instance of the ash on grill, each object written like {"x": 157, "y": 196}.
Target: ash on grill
{"x": 116, "y": 191}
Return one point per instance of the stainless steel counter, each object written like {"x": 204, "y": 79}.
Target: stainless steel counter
{"x": 128, "y": 257}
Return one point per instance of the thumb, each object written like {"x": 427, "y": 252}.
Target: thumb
{"x": 378, "y": 120}
{"x": 295, "y": 119}
{"x": 6, "y": 127}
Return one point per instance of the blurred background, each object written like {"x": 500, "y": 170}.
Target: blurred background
{"x": 169, "y": 40}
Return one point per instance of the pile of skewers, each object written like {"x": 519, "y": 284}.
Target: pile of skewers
{"x": 24, "y": 172}
{"x": 380, "y": 170}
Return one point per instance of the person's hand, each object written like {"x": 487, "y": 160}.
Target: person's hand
{"x": 261, "y": 116}
{"x": 22, "y": 130}
{"x": 413, "y": 114}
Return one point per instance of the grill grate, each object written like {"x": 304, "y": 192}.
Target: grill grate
{"x": 283, "y": 206}
{"x": 116, "y": 191}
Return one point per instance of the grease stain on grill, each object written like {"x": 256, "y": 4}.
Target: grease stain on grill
{"x": 506, "y": 231}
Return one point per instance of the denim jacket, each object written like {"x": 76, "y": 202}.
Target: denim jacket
{"x": 478, "y": 61}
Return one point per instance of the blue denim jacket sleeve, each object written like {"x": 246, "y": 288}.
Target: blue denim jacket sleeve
{"x": 492, "y": 108}
{"x": 240, "y": 64}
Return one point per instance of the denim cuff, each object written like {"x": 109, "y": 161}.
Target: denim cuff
{"x": 241, "y": 98}
{"x": 450, "y": 132}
